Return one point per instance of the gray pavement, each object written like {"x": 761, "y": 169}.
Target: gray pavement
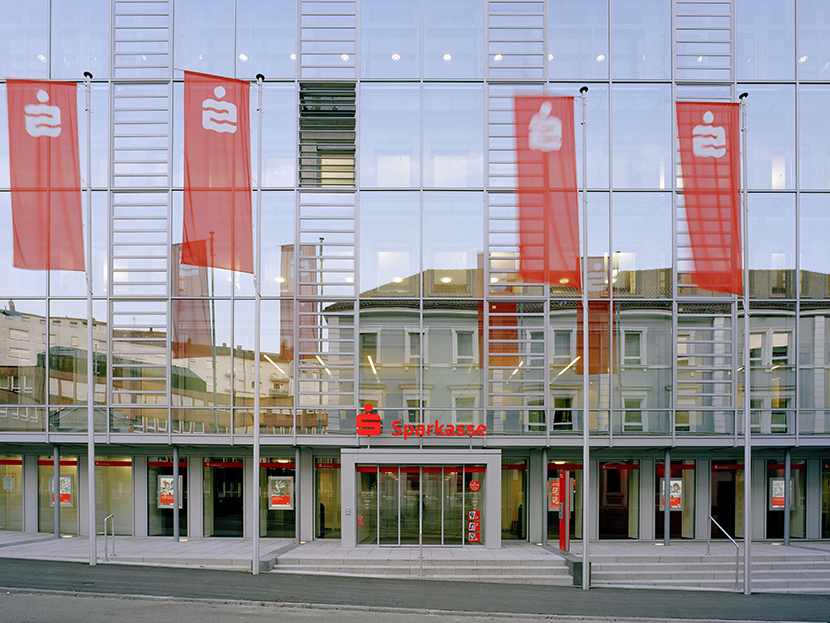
{"x": 405, "y": 596}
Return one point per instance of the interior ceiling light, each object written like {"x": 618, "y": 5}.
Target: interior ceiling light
{"x": 293, "y": 57}
{"x": 494, "y": 279}
{"x": 396, "y": 57}
{"x": 447, "y": 57}
{"x": 397, "y": 280}
{"x": 802, "y": 59}
{"x": 345, "y": 57}
{"x": 497, "y": 57}
{"x": 243, "y": 57}
{"x": 600, "y": 58}
{"x": 550, "y": 57}
{"x": 446, "y": 280}
{"x": 41, "y": 58}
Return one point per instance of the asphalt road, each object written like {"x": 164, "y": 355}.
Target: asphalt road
{"x": 188, "y": 583}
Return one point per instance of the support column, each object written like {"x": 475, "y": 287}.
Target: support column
{"x": 667, "y": 503}
{"x": 176, "y": 493}
{"x": 305, "y": 476}
{"x": 56, "y": 488}
{"x": 30, "y": 493}
{"x": 787, "y": 495}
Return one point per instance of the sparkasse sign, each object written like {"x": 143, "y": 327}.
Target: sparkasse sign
{"x": 369, "y": 425}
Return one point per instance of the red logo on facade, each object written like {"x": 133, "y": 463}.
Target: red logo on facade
{"x": 368, "y": 423}
{"x": 475, "y": 485}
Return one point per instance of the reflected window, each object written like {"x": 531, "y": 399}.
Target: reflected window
{"x": 562, "y": 347}
{"x": 632, "y": 348}
{"x": 453, "y": 39}
{"x": 562, "y": 418}
{"x": 633, "y": 416}
{"x": 464, "y": 347}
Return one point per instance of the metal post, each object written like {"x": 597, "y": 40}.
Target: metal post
{"x": 586, "y": 449}
{"x": 545, "y": 502}
{"x": 667, "y": 499}
{"x": 787, "y": 495}
{"x": 297, "y": 514}
{"x": 747, "y": 376}
{"x": 257, "y": 316}
{"x": 176, "y": 493}
{"x": 90, "y": 355}
{"x": 213, "y": 336}
{"x": 56, "y": 488}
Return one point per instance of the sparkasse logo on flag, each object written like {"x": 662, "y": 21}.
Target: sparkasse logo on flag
{"x": 369, "y": 425}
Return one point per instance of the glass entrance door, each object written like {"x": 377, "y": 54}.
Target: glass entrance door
{"x": 223, "y": 497}
{"x": 416, "y": 504}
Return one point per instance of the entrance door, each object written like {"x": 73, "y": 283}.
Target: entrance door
{"x": 413, "y": 505}
{"x": 727, "y": 504}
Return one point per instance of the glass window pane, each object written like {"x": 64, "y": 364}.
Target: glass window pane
{"x": 453, "y": 136}
{"x": 813, "y": 39}
{"x": 390, "y": 42}
{"x": 770, "y": 140}
{"x": 80, "y": 39}
{"x": 765, "y": 39}
{"x": 16, "y": 281}
{"x": 641, "y": 136}
{"x": 453, "y": 243}
{"x": 279, "y": 135}
{"x": 23, "y": 45}
{"x": 266, "y": 38}
{"x": 772, "y": 245}
{"x": 578, "y": 33}
{"x": 814, "y": 252}
{"x": 813, "y": 137}
{"x": 278, "y": 263}
{"x": 453, "y": 39}
{"x": 641, "y": 265}
{"x": 204, "y": 37}
{"x": 599, "y": 144}
{"x": 390, "y": 244}
{"x": 390, "y": 136}
{"x": 641, "y": 39}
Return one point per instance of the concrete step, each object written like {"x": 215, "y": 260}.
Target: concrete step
{"x": 553, "y": 561}
{"x": 553, "y": 580}
{"x": 427, "y": 569}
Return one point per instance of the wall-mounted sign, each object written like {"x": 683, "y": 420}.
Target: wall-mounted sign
{"x": 473, "y": 515}
{"x": 280, "y": 493}
{"x": 369, "y": 424}
{"x": 8, "y": 483}
{"x": 475, "y": 485}
{"x": 165, "y": 492}
{"x": 67, "y": 487}
{"x": 776, "y": 494}
{"x": 676, "y": 494}
{"x": 554, "y": 494}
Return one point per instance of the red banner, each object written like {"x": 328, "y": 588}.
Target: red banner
{"x": 192, "y": 331}
{"x": 600, "y": 332}
{"x": 710, "y": 152}
{"x": 548, "y": 201}
{"x": 45, "y": 175}
{"x": 218, "y": 230}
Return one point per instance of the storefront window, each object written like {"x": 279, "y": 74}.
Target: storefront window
{"x": 727, "y": 507}
{"x": 277, "y": 504}
{"x": 68, "y": 495}
{"x": 328, "y": 499}
{"x": 11, "y": 493}
{"x": 682, "y": 500}
{"x": 514, "y": 500}
{"x": 555, "y": 495}
{"x": 825, "y": 500}
{"x": 776, "y": 499}
{"x": 619, "y": 500}
{"x": 160, "y": 497}
{"x": 114, "y": 493}
{"x": 223, "y": 497}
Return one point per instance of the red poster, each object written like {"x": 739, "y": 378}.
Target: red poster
{"x": 192, "y": 331}
{"x": 66, "y": 498}
{"x": 166, "y": 499}
{"x": 710, "y": 161}
{"x": 554, "y": 494}
{"x": 474, "y": 526}
{"x": 473, "y": 515}
{"x": 280, "y": 500}
{"x": 45, "y": 175}
{"x": 474, "y": 537}
{"x": 218, "y": 229}
{"x": 600, "y": 332}
{"x": 548, "y": 201}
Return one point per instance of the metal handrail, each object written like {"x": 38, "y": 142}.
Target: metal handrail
{"x": 106, "y": 538}
{"x": 708, "y": 542}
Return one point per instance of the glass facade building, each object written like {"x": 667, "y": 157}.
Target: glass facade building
{"x": 389, "y": 276}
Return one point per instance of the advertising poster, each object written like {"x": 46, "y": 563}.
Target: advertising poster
{"x": 66, "y": 488}
{"x": 280, "y": 493}
{"x": 676, "y": 499}
{"x": 776, "y": 494}
{"x": 165, "y": 495}
{"x": 554, "y": 494}
{"x": 8, "y": 483}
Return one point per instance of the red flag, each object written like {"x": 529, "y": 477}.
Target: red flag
{"x": 217, "y": 173}
{"x": 600, "y": 330}
{"x": 548, "y": 201}
{"x": 710, "y": 161}
{"x": 45, "y": 175}
{"x": 192, "y": 331}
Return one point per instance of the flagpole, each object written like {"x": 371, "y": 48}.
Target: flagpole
{"x": 90, "y": 363}
{"x": 257, "y": 317}
{"x": 586, "y": 450}
{"x": 747, "y": 378}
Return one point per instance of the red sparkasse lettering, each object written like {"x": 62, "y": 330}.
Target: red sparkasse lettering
{"x": 408, "y": 431}
{"x": 396, "y": 428}
{"x": 368, "y": 424}
{"x": 481, "y": 430}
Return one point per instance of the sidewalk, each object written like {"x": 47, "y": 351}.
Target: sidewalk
{"x": 212, "y": 553}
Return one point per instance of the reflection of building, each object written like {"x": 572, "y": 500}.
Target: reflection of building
{"x": 389, "y": 278}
